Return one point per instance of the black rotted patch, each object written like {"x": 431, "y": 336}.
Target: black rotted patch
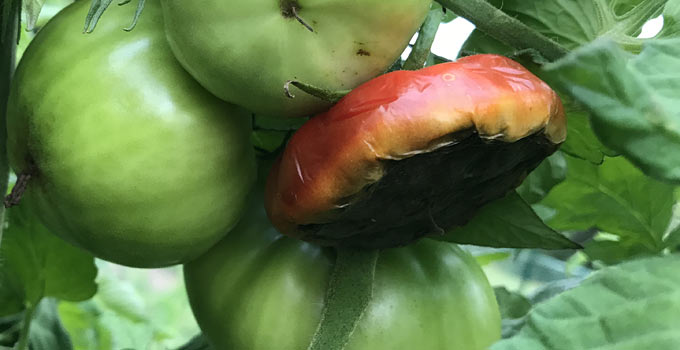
{"x": 428, "y": 193}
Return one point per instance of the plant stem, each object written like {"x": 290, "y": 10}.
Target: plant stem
{"x": 350, "y": 290}
{"x": 22, "y": 344}
{"x": 10, "y": 13}
{"x": 421, "y": 49}
{"x": 505, "y": 28}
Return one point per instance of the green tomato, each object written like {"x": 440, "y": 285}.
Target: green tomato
{"x": 131, "y": 159}
{"x": 259, "y": 290}
{"x": 244, "y": 51}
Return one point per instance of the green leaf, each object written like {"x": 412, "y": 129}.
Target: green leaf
{"x": 268, "y": 141}
{"x": 673, "y": 238}
{"x": 632, "y": 306}
{"x": 133, "y": 309}
{"x": 508, "y": 223}
{"x": 47, "y": 332}
{"x": 478, "y": 42}
{"x": 614, "y": 252}
{"x": 573, "y": 23}
{"x": 513, "y": 307}
{"x": 83, "y": 322}
{"x": 37, "y": 264}
{"x": 671, "y": 19}
{"x": 581, "y": 140}
{"x": 549, "y": 173}
{"x": 196, "y": 343}
{"x": 616, "y": 198}
{"x": 488, "y": 258}
{"x": 633, "y": 100}
{"x": 31, "y": 10}
{"x": 511, "y": 304}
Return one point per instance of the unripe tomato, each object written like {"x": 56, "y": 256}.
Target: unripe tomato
{"x": 130, "y": 158}
{"x": 259, "y": 290}
{"x": 244, "y": 51}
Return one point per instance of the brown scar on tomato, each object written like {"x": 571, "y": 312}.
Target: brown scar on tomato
{"x": 362, "y": 52}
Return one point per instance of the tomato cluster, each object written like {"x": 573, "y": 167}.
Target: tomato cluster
{"x": 134, "y": 155}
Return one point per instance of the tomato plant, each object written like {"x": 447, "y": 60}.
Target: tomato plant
{"x": 126, "y": 140}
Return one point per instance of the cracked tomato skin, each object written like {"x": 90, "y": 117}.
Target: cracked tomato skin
{"x": 132, "y": 159}
{"x": 260, "y": 290}
{"x": 244, "y": 51}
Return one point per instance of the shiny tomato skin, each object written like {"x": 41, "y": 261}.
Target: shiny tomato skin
{"x": 130, "y": 158}
{"x": 258, "y": 290}
{"x": 244, "y": 51}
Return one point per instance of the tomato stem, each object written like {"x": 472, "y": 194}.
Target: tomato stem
{"x": 350, "y": 290}
{"x": 290, "y": 8}
{"x": 302, "y": 21}
{"x": 331, "y": 96}
{"x": 426, "y": 34}
{"x": 505, "y": 28}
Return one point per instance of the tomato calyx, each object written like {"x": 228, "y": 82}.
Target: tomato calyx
{"x": 332, "y": 96}
{"x": 290, "y": 8}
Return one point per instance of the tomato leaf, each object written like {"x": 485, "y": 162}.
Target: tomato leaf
{"x": 551, "y": 172}
{"x": 508, "y": 223}
{"x": 82, "y": 320}
{"x": 627, "y": 307}
{"x": 31, "y": 10}
{"x": 196, "y": 343}
{"x": 671, "y": 19}
{"x": 616, "y": 198}
{"x": 575, "y": 23}
{"x": 513, "y": 307}
{"x": 511, "y": 304}
{"x": 37, "y": 264}
{"x": 633, "y": 100}
{"x": 47, "y": 332}
{"x": 581, "y": 140}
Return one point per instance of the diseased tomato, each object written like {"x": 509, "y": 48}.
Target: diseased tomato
{"x": 244, "y": 51}
{"x": 130, "y": 158}
{"x": 259, "y": 290}
{"x": 413, "y": 153}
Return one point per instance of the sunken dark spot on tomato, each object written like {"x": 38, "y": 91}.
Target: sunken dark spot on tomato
{"x": 431, "y": 192}
{"x": 362, "y": 52}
